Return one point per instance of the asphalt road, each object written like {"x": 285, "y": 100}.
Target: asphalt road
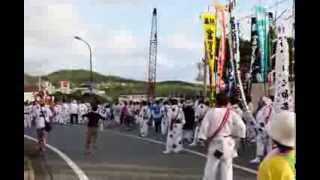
{"x": 121, "y": 156}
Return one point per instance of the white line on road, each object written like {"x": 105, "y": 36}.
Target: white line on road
{"x": 73, "y": 166}
{"x": 187, "y": 150}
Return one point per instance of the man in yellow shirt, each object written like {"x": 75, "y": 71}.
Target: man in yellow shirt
{"x": 279, "y": 164}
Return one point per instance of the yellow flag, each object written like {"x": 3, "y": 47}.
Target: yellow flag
{"x": 209, "y": 25}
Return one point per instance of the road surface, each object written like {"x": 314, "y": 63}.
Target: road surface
{"x": 121, "y": 155}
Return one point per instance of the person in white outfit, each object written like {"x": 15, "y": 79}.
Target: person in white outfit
{"x": 65, "y": 113}
{"x": 175, "y": 131}
{"x": 117, "y": 110}
{"x": 27, "y": 115}
{"x": 58, "y": 113}
{"x": 164, "y": 122}
{"x": 263, "y": 118}
{"x": 218, "y": 129}
{"x": 200, "y": 112}
{"x": 74, "y": 112}
{"x": 82, "y": 110}
{"x": 43, "y": 115}
{"x": 144, "y": 118}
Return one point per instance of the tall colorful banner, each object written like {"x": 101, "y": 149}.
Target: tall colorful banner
{"x": 262, "y": 24}
{"x": 283, "y": 98}
{"x": 222, "y": 47}
{"x": 254, "y": 48}
{"x": 209, "y": 26}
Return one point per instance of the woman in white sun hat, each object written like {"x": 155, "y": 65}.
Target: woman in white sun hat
{"x": 279, "y": 164}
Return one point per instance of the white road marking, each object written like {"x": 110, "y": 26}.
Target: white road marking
{"x": 73, "y": 166}
{"x": 187, "y": 150}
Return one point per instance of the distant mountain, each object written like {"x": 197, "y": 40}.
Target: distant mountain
{"x": 80, "y": 76}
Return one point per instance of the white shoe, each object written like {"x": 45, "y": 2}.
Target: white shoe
{"x": 193, "y": 144}
{"x": 255, "y": 161}
{"x": 166, "y": 152}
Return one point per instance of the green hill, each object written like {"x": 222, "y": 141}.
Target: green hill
{"x": 115, "y": 86}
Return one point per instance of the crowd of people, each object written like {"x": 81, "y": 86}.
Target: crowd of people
{"x": 184, "y": 122}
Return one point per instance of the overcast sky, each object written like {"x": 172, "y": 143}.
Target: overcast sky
{"x": 119, "y": 31}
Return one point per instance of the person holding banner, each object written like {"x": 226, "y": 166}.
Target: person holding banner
{"x": 218, "y": 129}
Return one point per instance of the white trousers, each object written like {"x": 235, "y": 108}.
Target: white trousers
{"x": 117, "y": 119}
{"x": 220, "y": 168}
{"x": 263, "y": 145}
{"x": 164, "y": 126}
{"x": 196, "y": 135}
{"x": 27, "y": 120}
{"x": 188, "y": 135}
{"x": 144, "y": 127}
{"x": 174, "y": 138}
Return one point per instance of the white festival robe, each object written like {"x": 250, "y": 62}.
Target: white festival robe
{"x": 200, "y": 112}
{"x": 143, "y": 118}
{"x": 263, "y": 142}
{"x": 175, "y": 130}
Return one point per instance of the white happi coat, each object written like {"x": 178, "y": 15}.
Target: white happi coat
{"x": 263, "y": 118}
{"x": 144, "y": 118}
{"x": 200, "y": 113}
{"x": 175, "y": 131}
{"x": 221, "y": 168}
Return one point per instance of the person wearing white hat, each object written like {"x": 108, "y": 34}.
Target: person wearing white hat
{"x": 279, "y": 164}
{"x": 263, "y": 118}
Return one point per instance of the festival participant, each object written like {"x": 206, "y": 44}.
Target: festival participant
{"x": 235, "y": 104}
{"x": 82, "y": 110}
{"x": 144, "y": 118}
{"x": 92, "y": 129}
{"x": 27, "y": 115}
{"x": 43, "y": 115}
{"x": 125, "y": 115}
{"x": 74, "y": 111}
{"x": 263, "y": 117}
{"x": 175, "y": 132}
{"x": 189, "y": 115}
{"x": 280, "y": 162}
{"x": 65, "y": 112}
{"x": 157, "y": 116}
{"x": 58, "y": 113}
{"x": 218, "y": 128}
{"x": 117, "y": 110}
{"x": 200, "y": 112}
{"x": 164, "y": 122}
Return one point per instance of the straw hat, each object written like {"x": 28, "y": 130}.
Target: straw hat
{"x": 282, "y": 128}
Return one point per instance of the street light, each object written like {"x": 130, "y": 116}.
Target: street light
{"x": 91, "y": 77}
